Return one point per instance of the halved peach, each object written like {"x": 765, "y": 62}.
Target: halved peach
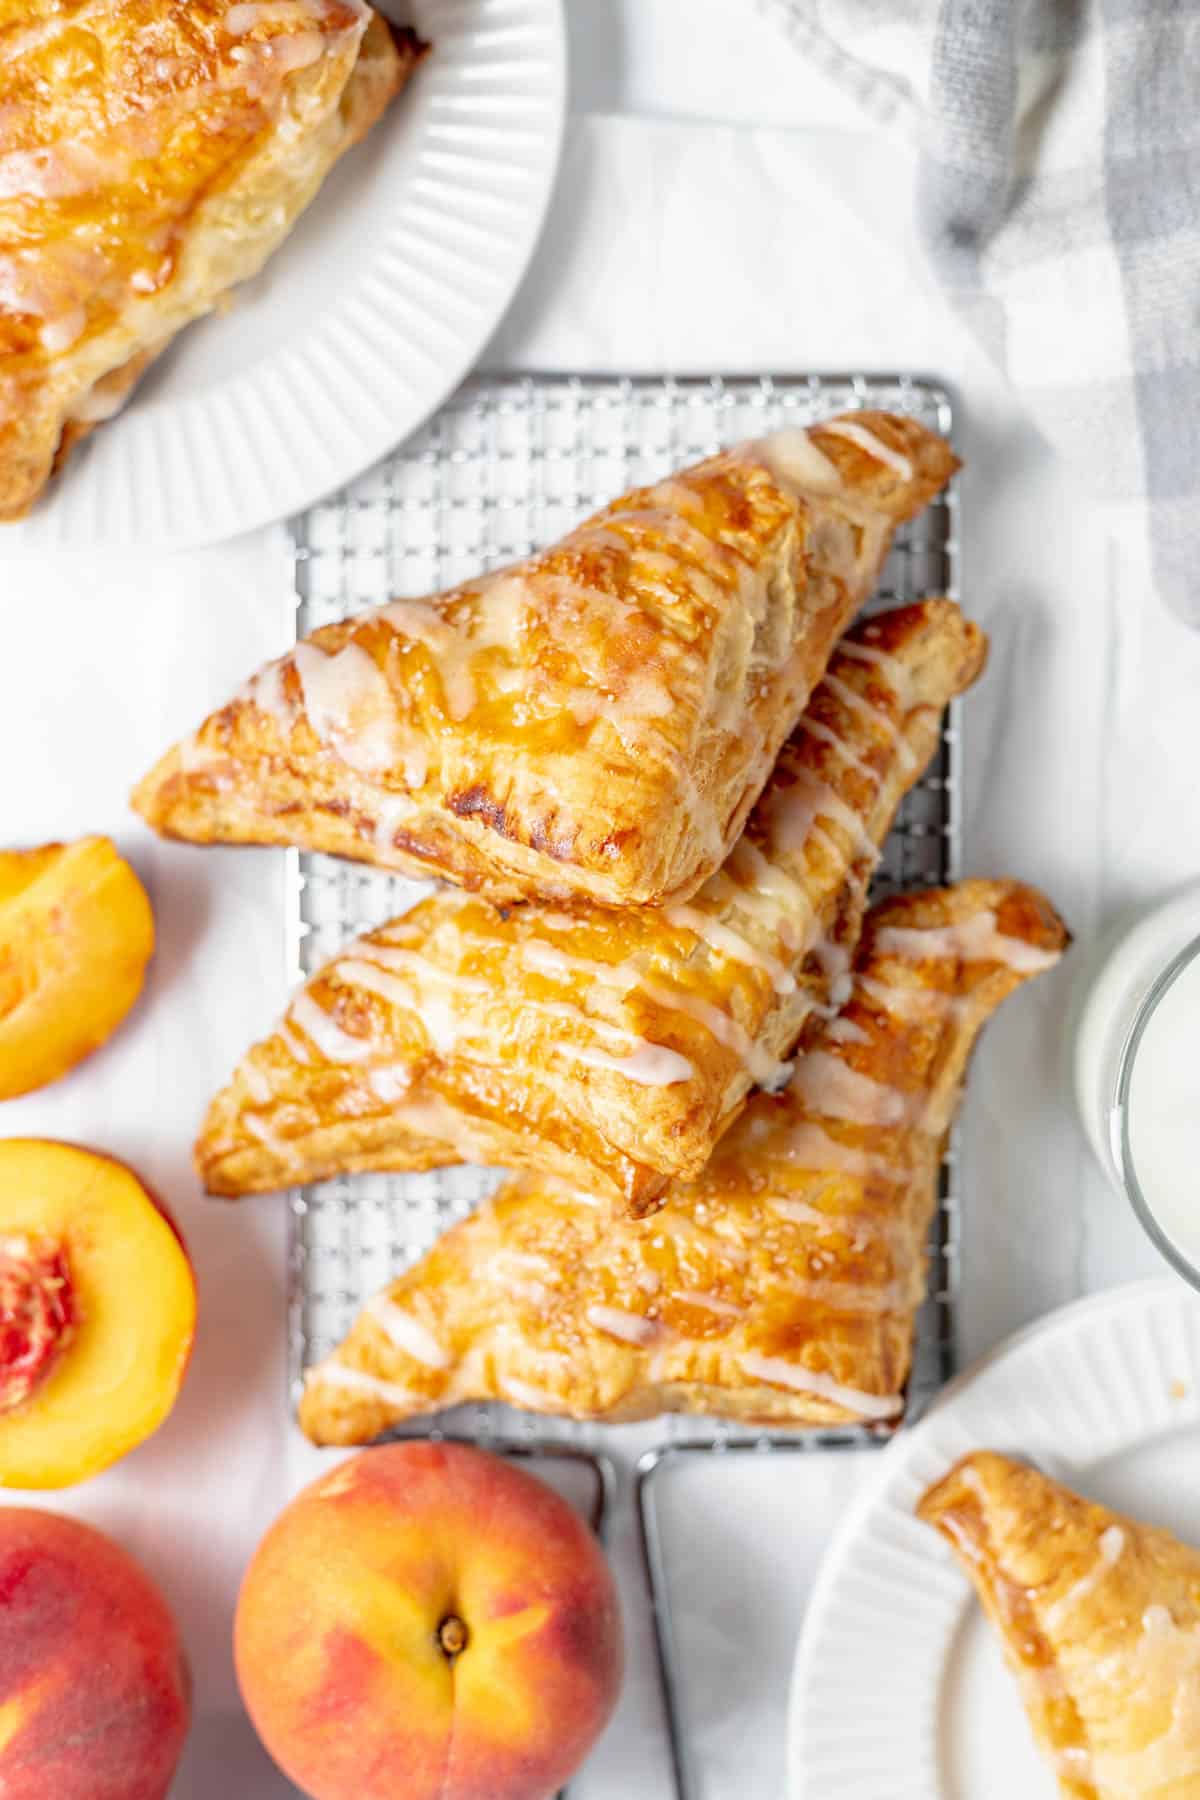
{"x": 76, "y": 933}
{"x": 97, "y": 1313}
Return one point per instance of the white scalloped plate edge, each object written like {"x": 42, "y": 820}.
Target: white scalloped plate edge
{"x": 1103, "y": 1374}
{"x": 475, "y": 166}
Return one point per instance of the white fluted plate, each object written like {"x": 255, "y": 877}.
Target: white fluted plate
{"x": 899, "y": 1690}
{"x": 369, "y": 315}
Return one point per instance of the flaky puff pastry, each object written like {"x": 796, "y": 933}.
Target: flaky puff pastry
{"x": 1099, "y": 1617}
{"x": 152, "y": 155}
{"x": 595, "y": 721}
{"x": 780, "y": 1287}
{"x": 612, "y": 1048}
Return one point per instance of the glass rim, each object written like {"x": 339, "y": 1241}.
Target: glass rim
{"x": 1148, "y": 1005}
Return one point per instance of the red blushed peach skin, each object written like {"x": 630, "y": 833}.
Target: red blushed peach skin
{"x": 97, "y": 1314}
{"x": 76, "y": 933}
{"x": 94, "y": 1692}
{"x": 428, "y": 1622}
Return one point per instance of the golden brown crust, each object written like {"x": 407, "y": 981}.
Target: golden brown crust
{"x": 1099, "y": 1616}
{"x": 152, "y": 156}
{"x": 779, "y": 1288}
{"x": 611, "y": 1048}
{"x": 595, "y": 722}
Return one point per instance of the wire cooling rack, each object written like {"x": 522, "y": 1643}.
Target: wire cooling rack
{"x": 508, "y": 465}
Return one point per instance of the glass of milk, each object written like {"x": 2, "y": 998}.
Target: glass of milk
{"x": 1137, "y": 1075}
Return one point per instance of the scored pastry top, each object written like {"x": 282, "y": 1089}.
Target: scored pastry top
{"x": 595, "y": 721}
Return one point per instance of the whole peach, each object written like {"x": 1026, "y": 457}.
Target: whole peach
{"x": 428, "y": 1622}
{"x": 93, "y": 1686}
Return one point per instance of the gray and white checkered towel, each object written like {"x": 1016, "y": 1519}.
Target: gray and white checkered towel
{"x": 1059, "y": 200}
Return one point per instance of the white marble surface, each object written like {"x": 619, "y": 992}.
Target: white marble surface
{"x": 719, "y": 207}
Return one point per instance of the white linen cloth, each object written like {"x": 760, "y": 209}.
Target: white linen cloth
{"x": 1056, "y": 197}
{"x": 690, "y": 247}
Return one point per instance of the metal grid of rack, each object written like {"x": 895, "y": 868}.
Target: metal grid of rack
{"x": 509, "y": 464}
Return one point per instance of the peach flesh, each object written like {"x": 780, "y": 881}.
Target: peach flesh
{"x": 37, "y": 1315}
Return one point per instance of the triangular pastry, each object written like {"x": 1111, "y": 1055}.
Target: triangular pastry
{"x": 154, "y": 154}
{"x": 612, "y": 1048}
{"x": 781, "y": 1286}
{"x": 597, "y": 720}
{"x": 1099, "y": 1617}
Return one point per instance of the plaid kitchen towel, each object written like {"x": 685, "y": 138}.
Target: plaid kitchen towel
{"x": 1059, "y": 201}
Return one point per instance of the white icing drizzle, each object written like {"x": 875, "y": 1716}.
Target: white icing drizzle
{"x": 408, "y": 1334}
{"x": 853, "y": 1296}
{"x": 630, "y": 1328}
{"x": 722, "y": 1309}
{"x": 448, "y": 645}
{"x": 649, "y": 1065}
{"x": 825, "y": 735}
{"x": 257, "y": 1127}
{"x": 762, "y": 1066}
{"x": 874, "y": 447}
{"x": 786, "y": 902}
{"x": 1109, "y": 1550}
{"x": 896, "y": 673}
{"x": 860, "y": 1228}
{"x": 334, "y": 1044}
{"x": 257, "y": 1082}
{"x": 808, "y": 1146}
{"x": 793, "y": 813}
{"x": 856, "y": 702}
{"x": 59, "y": 171}
{"x": 835, "y": 961}
{"x": 831, "y": 1087}
{"x": 360, "y": 1381}
{"x": 59, "y": 334}
{"x": 846, "y": 1031}
{"x": 929, "y": 1004}
{"x": 548, "y": 959}
{"x": 244, "y": 16}
{"x": 389, "y": 1084}
{"x": 531, "y": 1399}
{"x": 797, "y": 464}
{"x": 391, "y": 810}
{"x": 268, "y": 694}
{"x": 295, "y": 1045}
{"x": 350, "y": 705}
{"x": 975, "y": 939}
{"x": 726, "y": 942}
{"x": 776, "y": 1371}
{"x": 436, "y": 1012}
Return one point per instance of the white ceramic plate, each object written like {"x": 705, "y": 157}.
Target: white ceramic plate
{"x": 370, "y": 314}
{"x": 899, "y": 1690}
